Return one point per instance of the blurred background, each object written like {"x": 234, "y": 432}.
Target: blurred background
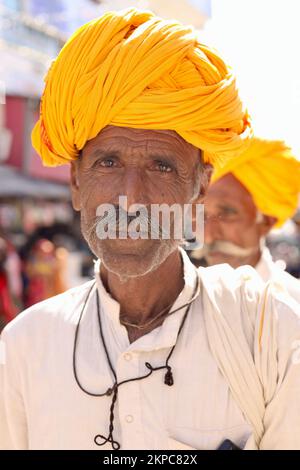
{"x": 41, "y": 249}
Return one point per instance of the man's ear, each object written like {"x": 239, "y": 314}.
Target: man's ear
{"x": 206, "y": 173}
{"x": 266, "y": 224}
{"x": 74, "y": 183}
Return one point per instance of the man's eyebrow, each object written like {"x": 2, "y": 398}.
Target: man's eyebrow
{"x": 166, "y": 155}
{"x": 103, "y": 153}
{"x": 116, "y": 153}
{"x": 227, "y": 206}
{"x": 161, "y": 156}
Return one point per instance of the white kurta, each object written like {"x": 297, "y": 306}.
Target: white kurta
{"x": 268, "y": 269}
{"x": 42, "y": 407}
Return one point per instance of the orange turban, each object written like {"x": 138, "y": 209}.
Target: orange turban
{"x": 271, "y": 173}
{"x": 133, "y": 69}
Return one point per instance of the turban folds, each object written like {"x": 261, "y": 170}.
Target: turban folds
{"x": 271, "y": 173}
{"x": 133, "y": 69}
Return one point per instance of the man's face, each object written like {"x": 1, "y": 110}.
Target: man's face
{"x": 233, "y": 227}
{"x": 146, "y": 166}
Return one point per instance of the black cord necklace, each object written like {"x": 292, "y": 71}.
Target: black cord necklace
{"x": 99, "y": 439}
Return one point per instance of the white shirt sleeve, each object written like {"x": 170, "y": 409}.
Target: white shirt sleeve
{"x": 13, "y": 426}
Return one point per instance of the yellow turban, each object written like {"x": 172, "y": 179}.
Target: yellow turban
{"x": 133, "y": 69}
{"x": 271, "y": 173}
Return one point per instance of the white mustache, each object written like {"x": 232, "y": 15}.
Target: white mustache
{"x": 148, "y": 225}
{"x": 228, "y": 248}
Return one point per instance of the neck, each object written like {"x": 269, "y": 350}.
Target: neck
{"x": 142, "y": 298}
{"x": 254, "y": 259}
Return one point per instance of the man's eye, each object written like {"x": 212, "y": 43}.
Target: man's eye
{"x": 108, "y": 163}
{"x": 228, "y": 211}
{"x": 164, "y": 167}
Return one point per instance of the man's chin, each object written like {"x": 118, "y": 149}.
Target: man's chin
{"x": 132, "y": 258}
{"x": 221, "y": 258}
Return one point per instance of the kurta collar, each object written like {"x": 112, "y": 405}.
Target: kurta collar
{"x": 163, "y": 336}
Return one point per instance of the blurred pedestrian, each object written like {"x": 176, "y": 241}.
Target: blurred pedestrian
{"x": 44, "y": 270}
{"x": 9, "y": 283}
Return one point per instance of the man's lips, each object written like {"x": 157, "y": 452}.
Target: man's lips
{"x": 133, "y": 235}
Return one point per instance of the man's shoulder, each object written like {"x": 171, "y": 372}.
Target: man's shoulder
{"x": 291, "y": 284}
{"x": 222, "y": 280}
{"x": 241, "y": 293}
{"x": 50, "y": 313}
{"x": 223, "y": 271}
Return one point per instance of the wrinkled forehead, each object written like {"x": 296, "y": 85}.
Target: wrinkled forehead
{"x": 130, "y": 136}
{"x": 116, "y": 138}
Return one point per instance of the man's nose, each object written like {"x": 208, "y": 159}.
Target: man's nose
{"x": 133, "y": 187}
{"x": 211, "y": 229}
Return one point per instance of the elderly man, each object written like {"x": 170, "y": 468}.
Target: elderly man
{"x": 248, "y": 196}
{"x": 152, "y": 353}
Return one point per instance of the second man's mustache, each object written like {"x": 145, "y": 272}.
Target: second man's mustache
{"x": 228, "y": 248}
